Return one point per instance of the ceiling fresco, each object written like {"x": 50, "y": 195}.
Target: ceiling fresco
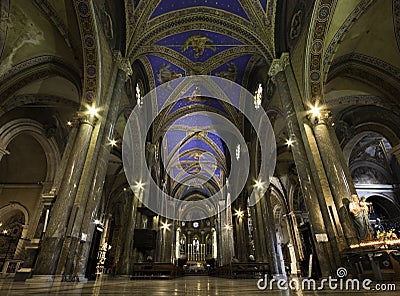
{"x": 232, "y": 6}
{"x": 185, "y": 43}
{"x": 177, "y": 42}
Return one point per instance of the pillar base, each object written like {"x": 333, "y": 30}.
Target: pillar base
{"x": 45, "y": 278}
{"x": 82, "y": 279}
{"x": 23, "y": 274}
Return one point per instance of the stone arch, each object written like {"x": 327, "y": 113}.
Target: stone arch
{"x": 33, "y": 128}
{"x": 8, "y": 212}
{"x": 15, "y": 206}
{"x": 385, "y": 203}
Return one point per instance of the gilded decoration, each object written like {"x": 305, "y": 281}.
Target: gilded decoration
{"x": 230, "y": 74}
{"x": 318, "y": 29}
{"x": 201, "y": 53}
{"x": 198, "y": 43}
{"x": 242, "y": 32}
{"x": 86, "y": 26}
{"x": 164, "y": 74}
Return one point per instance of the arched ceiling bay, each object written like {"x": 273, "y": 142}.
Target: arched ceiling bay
{"x": 40, "y": 53}
{"x": 362, "y": 51}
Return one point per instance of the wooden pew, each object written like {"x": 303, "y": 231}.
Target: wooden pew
{"x": 149, "y": 270}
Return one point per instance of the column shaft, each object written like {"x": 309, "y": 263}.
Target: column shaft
{"x": 92, "y": 191}
{"x": 261, "y": 224}
{"x": 270, "y": 235}
{"x": 338, "y": 182}
{"x": 62, "y": 211}
{"x": 318, "y": 228}
{"x": 125, "y": 260}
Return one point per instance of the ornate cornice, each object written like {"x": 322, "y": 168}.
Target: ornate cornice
{"x": 360, "y": 100}
{"x": 123, "y": 63}
{"x": 324, "y": 117}
{"x": 320, "y": 21}
{"x": 86, "y": 22}
{"x": 83, "y": 118}
{"x": 279, "y": 65}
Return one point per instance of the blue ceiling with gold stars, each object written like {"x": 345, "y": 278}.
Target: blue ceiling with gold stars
{"x": 216, "y": 44}
{"x": 166, "y": 6}
{"x": 189, "y": 37}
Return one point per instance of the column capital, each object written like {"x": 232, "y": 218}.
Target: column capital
{"x": 48, "y": 198}
{"x": 279, "y": 65}
{"x": 83, "y": 118}
{"x": 123, "y": 64}
{"x": 323, "y": 117}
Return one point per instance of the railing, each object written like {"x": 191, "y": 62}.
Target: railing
{"x": 10, "y": 267}
{"x": 196, "y": 252}
{"x": 242, "y": 270}
{"x": 154, "y": 271}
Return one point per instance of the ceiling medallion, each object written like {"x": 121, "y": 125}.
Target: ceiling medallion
{"x": 198, "y": 43}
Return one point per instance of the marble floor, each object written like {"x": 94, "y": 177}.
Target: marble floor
{"x": 192, "y": 285}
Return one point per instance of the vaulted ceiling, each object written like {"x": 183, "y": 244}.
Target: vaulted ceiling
{"x": 171, "y": 39}
{"x": 345, "y": 52}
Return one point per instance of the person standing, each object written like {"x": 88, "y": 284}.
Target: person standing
{"x": 363, "y": 226}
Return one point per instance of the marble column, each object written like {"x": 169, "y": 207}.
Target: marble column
{"x": 335, "y": 172}
{"x": 64, "y": 160}
{"x": 91, "y": 194}
{"x": 259, "y": 233}
{"x": 319, "y": 233}
{"x": 62, "y": 211}
{"x": 329, "y": 213}
{"x": 271, "y": 240}
{"x": 240, "y": 237}
{"x": 126, "y": 255}
{"x": 294, "y": 244}
{"x": 77, "y": 240}
{"x": 32, "y": 246}
{"x": 166, "y": 239}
